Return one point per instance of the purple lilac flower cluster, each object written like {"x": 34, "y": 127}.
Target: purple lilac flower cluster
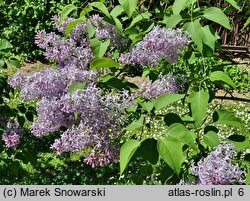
{"x": 12, "y": 134}
{"x": 217, "y": 168}
{"x": 165, "y": 84}
{"x": 50, "y": 82}
{"x": 100, "y": 117}
{"x": 92, "y": 118}
{"x": 76, "y": 49}
{"x": 157, "y": 44}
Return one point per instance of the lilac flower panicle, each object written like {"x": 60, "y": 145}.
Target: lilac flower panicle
{"x": 18, "y": 80}
{"x": 64, "y": 51}
{"x": 50, "y": 117}
{"x": 157, "y": 44}
{"x": 217, "y": 168}
{"x": 165, "y": 84}
{"x": 12, "y": 134}
{"x": 46, "y": 83}
{"x": 101, "y": 117}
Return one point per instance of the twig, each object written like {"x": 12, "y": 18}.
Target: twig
{"x": 232, "y": 98}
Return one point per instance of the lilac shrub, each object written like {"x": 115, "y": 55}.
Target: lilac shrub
{"x": 157, "y": 44}
{"x": 12, "y": 134}
{"x": 218, "y": 168}
{"x": 92, "y": 118}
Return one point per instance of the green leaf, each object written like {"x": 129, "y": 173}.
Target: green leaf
{"x": 148, "y": 150}
{"x": 234, "y": 4}
{"x": 241, "y": 146}
{"x": 117, "y": 83}
{"x": 178, "y": 6}
{"x": 21, "y": 108}
{"x": 166, "y": 99}
{"x": 209, "y": 38}
{"x": 148, "y": 106}
{"x": 211, "y": 139}
{"x": 221, "y": 76}
{"x": 181, "y": 133}
{"x": 237, "y": 138}
{"x": 197, "y": 33}
{"x": 138, "y": 19}
{"x": 21, "y": 120}
{"x": 99, "y": 63}
{"x": 29, "y": 115}
{"x": 170, "y": 151}
{"x": 246, "y": 23}
{"x": 226, "y": 117}
{"x": 75, "y": 86}
{"x": 99, "y": 48}
{"x": 217, "y": 15}
{"x": 247, "y": 157}
{"x": 118, "y": 24}
{"x": 4, "y": 44}
{"x": 85, "y": 11}
{"x": 135, "y": 124}
{"x": 129, "y": 6}
{"x": 210, "y": 128}
{"x": 127, "y": 151}
{"x": 116, "y": 11}
{"x": 199, "y": 105}
{"x": 172, "y": 118}
{"x": 66, "y": 11}
{"x": 13, "y": 62}
{"x": 100, "y": 6}
{"x": 90, "y": 30}
{"x": 71, "y": 25}
{"x": 173, "y": 20}
{"x": 1, "y": 63}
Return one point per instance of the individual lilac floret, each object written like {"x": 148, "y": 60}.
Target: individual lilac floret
{"x": 217, "y": 168}
{"x": 165, "y": 84}
{"x": 159, "y": 43}
{"x": 12, "y": 134}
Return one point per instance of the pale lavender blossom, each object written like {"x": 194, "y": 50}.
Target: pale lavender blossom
{"x": 218, "y": 168}
{"x": 101, "y": 117}
{"x": 50, "y": 117}
{"x": 56, "y": 23}
{"x": 18, "y": 80}
{"x": 64, "y": 51}
{"x": 165, "y": 84}
{"x": 157, "y": 44}
{"x": 46, "y": 83}
{"x": 50, "y": 82}
{"x": 12, "y": 134}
